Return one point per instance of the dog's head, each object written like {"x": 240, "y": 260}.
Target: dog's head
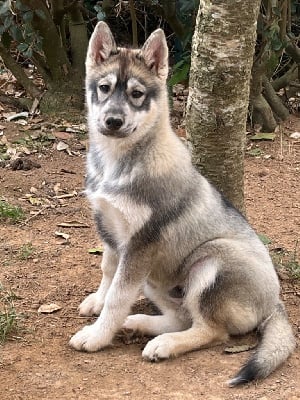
{"x": 124, "y": 87}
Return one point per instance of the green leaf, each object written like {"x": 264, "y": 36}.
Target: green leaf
{"x": 16, "y": 33}
{"x": 255, "y": 152}
{"x": 4, "y": 7}
{"x": 263, "y": 136}
{"x": 8, "y": 21}
{"x": 27, "y": 16}
{"x": 96, "y": 250}
{"x": 180, "y": 75}
{"x": 264, "y": 239}
{"x": 6, "y": 39}
{"x": 22, "y": 7}
{"x": 40, "y": 14}
{"x": 28, "y": 53}
{"x": 22, "y": 47}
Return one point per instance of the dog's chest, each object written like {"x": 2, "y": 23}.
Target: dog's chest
{"x": 121, "y": 215}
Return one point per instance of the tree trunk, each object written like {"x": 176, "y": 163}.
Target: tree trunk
{"x": 79, "y": 42}
{"x": 222, "y": 56}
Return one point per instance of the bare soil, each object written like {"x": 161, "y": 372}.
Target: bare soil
{"x": 43, "y": 268}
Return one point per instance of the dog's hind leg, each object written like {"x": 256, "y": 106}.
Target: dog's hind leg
{"x": 171, "y": 320}
{"x": 203, "y": 332}
{"x": 200, "y": 335}
{"x": 153, "y": 325}
{"x": 93, "y": 304}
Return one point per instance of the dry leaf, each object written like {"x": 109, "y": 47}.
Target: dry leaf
{"x": 63, "y": 235}
{"x": 12, "y": 116}
{"x": 35, "y": 201}
{"x": 295, "y": 135}
{"x": 49, "y": 308}
{"x": 57, "y": 188}
{"x": 62, "y": 135}
{"x": 240, "y": 349}
{"x": 67, "y": 195}
{"x": 73, "y": 224}
{"x": 62, "y": 146}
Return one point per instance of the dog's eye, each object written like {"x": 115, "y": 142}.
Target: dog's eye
{"x": 104, "y": 88}
{"x": 136, "y": 94}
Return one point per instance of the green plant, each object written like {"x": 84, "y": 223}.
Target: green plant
{"x": 10, "y": 213}
{"x": 26, "y": 251}
{"x": 293, "y": 264}
{"x": 8, "y": 315}
{"x": 288, "y": 261}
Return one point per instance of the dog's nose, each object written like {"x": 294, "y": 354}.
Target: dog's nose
{"x": 113, "y": 123}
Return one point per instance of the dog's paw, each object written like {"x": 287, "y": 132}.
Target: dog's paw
{"x": 91, "y": 305}
{"x": 159, "y": 348}
{"x": 89, "y": 339}
{"x": 137, "y": 322}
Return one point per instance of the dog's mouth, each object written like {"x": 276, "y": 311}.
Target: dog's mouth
{"x": 118, "y": 133}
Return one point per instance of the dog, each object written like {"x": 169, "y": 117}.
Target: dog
{"x": 165, "y": 228}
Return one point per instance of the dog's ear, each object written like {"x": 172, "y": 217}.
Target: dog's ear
{"x": 101, "y": 44}
{"x": 155, "y": 52}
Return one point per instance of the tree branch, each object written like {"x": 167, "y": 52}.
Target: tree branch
{"x": 133, "y": 23}
{"x": 19, "y": 73}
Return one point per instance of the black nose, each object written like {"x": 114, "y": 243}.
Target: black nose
{"x": 113, "y": 123}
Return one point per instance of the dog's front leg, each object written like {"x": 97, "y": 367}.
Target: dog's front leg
{"x": 122, "y": 293}
{"x": 93, "y": 303}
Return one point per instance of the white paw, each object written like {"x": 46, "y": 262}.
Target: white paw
{"x": 135, "y": 322}
{"x": 89, "y": 339}
{"x": 159, "y": 348}
{"x": 91, "y": 305}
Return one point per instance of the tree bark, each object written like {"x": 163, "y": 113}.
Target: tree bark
{"x": 79, "y": 41}
{"x": 56, "y": 56}
{"x": 286, "y": 78}
{"x": 274, "y": 101}
{"x": 222, "y": 55}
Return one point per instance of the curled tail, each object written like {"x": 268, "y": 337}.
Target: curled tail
{"x": 276, "y": 345}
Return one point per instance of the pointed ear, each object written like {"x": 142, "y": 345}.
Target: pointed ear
{"x": 101, "y": 44}
{"x": 155, "y": 52}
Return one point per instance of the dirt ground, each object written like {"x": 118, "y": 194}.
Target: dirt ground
{"x": 42, "y": 267}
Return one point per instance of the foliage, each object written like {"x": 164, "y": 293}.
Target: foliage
{"x": 59, "y": 56}
{"x": 288, "y": 261}
{"x": 16, "y": 25}
{"x": 8, "y": 315}
{"x": 10, "y": 213}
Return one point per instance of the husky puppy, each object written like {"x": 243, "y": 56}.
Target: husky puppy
{"x": 165, "y": 228}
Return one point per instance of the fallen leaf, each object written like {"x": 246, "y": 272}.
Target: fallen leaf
{"x": 96, "y": 250}
{"x": 264, "y": 239}
{"x": 49, "y": 308}
{"x": 73, "y": 224}
{"x": 21, "y": 122}
{"x": 295, "y": 135}
{"x": 67, "y": 195}
{"x": 62, "y": 135}
{"x": 263, "y": 136}
{"x": 240, "y": 349}
{"x": 62, "y": 146}
{"x": 35, "y": 201}
{"x": 66, "y": 236}
{"x": 13, "y": 116}
{"x": 57, "y": 188}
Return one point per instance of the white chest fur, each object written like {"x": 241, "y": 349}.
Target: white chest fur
{"x": 122, "y": 216}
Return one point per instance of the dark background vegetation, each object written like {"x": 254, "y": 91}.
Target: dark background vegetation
{"x": 53, "y": 35}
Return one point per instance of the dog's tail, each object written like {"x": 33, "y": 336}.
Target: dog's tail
{"x": 276, "y": 345}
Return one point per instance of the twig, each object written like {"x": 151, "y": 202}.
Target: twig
{"x": 35, "y": 215}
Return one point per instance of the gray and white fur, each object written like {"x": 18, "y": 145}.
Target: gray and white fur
{"x": 165, "y": 228}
